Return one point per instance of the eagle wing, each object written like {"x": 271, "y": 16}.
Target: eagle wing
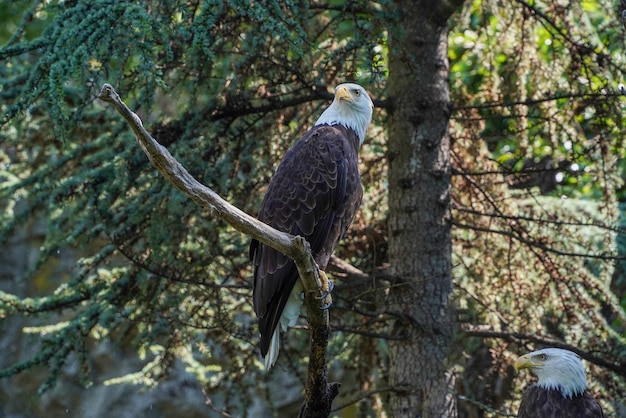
{"x": 315, "y": 193}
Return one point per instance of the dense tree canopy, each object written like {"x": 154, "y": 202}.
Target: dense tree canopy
{"x": 118, "y": 257}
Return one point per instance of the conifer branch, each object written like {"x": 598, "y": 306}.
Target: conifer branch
{"x": 319, "y": 394}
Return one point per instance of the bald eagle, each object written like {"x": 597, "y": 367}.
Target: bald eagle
{"x": 315, "y": 193}
{"x": 560, "y": 390}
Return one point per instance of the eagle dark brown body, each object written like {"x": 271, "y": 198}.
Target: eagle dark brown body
{"x": 315, "y": 193}
{"x": 538, "y": 402}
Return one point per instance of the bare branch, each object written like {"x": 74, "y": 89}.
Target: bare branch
{"x": 531, "y": 243}
{"x": 318, "y": 393}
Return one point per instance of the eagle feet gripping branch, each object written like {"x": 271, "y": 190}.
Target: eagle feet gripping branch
{"x": 314, "y": 193}
{"x": 327, "y": 288}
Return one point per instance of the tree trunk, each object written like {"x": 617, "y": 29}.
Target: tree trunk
{"x": 419, "y": 211}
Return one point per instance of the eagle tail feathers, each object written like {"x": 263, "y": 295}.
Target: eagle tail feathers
{"x": 272, "y": 352}
{"x": 288, "y": 318}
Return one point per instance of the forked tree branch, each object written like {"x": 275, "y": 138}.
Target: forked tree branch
{"x": 319, "y": 394}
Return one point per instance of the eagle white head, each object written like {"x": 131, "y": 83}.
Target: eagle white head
{"x": 556, "y": 369}
{"x": 352, "y": 108}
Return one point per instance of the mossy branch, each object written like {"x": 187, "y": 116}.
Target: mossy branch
{"x": 318, "y": 393}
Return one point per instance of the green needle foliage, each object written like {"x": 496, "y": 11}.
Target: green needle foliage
{"x": 211, "y": 79}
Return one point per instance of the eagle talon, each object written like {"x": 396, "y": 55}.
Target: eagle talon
{"x": 327, "y": 292}
{"x": 326, "y": 306}
{"x": 326, "y": 298}
{"x": 327, "y": 285}
{"x": 327, "y": 288}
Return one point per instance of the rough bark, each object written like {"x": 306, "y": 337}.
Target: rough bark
{"x": 419, "y": 211}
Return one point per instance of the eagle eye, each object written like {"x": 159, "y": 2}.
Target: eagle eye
{"x": 542, "y": 357}
{"x": 357, "y": 92}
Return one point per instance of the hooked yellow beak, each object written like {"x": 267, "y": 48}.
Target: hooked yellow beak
{"x": 525, "y": 362}
{"x": 342, "y": 93}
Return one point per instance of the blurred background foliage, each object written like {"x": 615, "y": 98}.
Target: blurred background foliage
{"x": 116, "y": 257}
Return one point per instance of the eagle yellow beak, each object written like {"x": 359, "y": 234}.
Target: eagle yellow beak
{"x": 525, "y": 362}
{"x": 342, "y": 93}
